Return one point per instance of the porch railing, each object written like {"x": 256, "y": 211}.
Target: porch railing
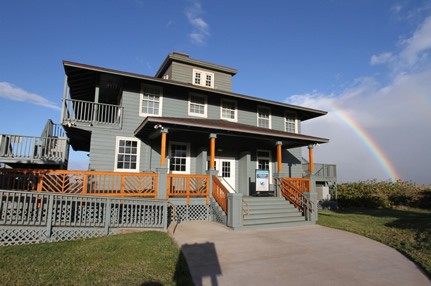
{"x": 115, "y": 184}
{"x": 219, "y": 193}
{"x": 187, "y": 186}
{"x": 322, "y": 170}
{"x": 17, "y": 147}
{"x": 293, "y": 190}
{"x": 92, "y": 113}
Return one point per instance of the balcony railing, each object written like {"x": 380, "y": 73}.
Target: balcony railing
{"x": 188, "y": 186}
{"x": 325, "y": 171}
{"x": 28, "y": 148}
{"x": 91, "y": 113}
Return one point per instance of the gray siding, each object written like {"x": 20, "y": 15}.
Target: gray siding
{"x": 184, "y": 73}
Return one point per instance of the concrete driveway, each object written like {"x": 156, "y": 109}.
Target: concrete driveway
{"x": 306, "y": 255}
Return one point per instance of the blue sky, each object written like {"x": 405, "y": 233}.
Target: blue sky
{"x": 366, "y": 59}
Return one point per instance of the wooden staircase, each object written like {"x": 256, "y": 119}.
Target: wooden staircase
{"x": 270, "y": 212}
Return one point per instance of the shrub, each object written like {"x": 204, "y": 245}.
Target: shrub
{"x": 374, "y": 194}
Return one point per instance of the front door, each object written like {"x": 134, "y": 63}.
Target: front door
{"x": 226, "y": 169}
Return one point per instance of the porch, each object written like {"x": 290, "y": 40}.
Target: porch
{"x": 185, "y": 197}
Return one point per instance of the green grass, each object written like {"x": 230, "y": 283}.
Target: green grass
{"x": 143, "y": 258}
{"x": 407, "y": 230}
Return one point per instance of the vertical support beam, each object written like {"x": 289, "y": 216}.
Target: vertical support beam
{"x": 310, "y": 159}
{"x": 163, "y": 148}
{"x": 212, "y": 150}
{"x": 162, "y": 184}
{"x": 65, "y": 94}
{"x": 107, "y": 218}
{"x": 279, "y": 156}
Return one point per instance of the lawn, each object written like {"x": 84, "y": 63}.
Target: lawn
{"x": 405, "y": 229}
{"x": 142, "y": 258}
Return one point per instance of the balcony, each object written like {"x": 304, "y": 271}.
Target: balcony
{"x": 84, "y": 114}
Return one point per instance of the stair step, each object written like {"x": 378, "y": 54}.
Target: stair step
{"x": 274, "y": 225}
{"x": 272, "y": 220}
{"x": 272, "y": 215}
{"x": 272, "y": 211}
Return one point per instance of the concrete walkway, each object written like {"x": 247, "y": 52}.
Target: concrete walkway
{"x": 307, "y": 255}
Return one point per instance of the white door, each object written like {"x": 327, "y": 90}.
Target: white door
{"x": 226, "y": 169}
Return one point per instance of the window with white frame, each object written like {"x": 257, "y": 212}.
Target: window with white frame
{"x": 197, "y": 105}
{"x": 263, "y": 117}
{"x": 203, "y": 78}
{"x": 228, "y": 110}
{"x": 151, "y": 101}
{"x": 127, "y": 154}
{"x": 179, "y": 157}
{"x": 290, "y": 123}
{"x": 263, "y": 161}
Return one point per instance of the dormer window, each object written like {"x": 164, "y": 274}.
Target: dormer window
{"x": 203, "y": 78}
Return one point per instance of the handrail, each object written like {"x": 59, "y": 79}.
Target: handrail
{"x": 230, "y": 189}
{"x": 188, "y": 185}
{"x": 293, "y": 190}
{"x": 93, "y": 183}
{"x": 80, "y": 111}
{"x": 220, "y": 193}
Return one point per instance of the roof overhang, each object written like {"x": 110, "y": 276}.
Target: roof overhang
{"x": 222, "y": 127}
{"x": 84, "y": 77}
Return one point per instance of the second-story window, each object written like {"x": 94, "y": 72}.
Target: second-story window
{"x": 151, "y": 101}
{"x": 203, "y": 78}
{"x": 228, "y": 110}
{"x": 198, "y": 105}
{"x": 290, "y": 123}
{"x": 263, "y": 117}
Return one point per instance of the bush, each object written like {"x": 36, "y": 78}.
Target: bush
{"x": 385, "y": 194}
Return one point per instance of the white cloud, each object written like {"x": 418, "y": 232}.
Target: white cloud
{"x": 396, "y": 115}
{"x": 381, "y": 58}
{"x": 416, "y": 47}
{"x": 11, "y": 92}
{"x": 200, "y": 30}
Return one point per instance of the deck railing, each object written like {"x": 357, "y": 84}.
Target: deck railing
{"x": 91, "y": 113}
{"x": 324, "y": 171}
{"x": 114, "y": 184}
{"x": 17, "y": 147}
{"x": 219, "y": 193}
{"x": 187, "y": 186}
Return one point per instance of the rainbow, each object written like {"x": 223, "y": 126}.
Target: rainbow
{"x": 368, "y": 141}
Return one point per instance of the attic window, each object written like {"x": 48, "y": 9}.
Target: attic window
{"x": 203, "y": 78}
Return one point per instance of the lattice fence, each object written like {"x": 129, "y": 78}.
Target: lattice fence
{"x": 197, "y": 210}
{"x": 38, "y": 217}
{"x": 217, "y": 213}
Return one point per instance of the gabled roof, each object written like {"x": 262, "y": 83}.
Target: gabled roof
{"x": 84, "y": 77}
{"x": 184, "y": 58}
{"x": 224, "y": 127}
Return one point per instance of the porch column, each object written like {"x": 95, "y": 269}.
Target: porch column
{"x": 279, "y": 156}
{"x": 212, "y": 150}
{"x": 163, "y": 147}
{"x": 310, "y": 159}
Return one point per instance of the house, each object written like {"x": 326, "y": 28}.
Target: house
{"x": 184, "y": 136}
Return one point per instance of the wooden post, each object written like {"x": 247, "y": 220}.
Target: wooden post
{"x": 212, "y": 150}
{"x": 310, "y": 159}
{"x": 163, "y": 148}
{"x": 279, "y": 156}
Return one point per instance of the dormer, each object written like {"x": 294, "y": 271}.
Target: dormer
{"x": 180, "y": 67}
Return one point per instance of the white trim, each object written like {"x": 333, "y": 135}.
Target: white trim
{"x": 292, "y": 115}
{"x": 187, "y": 171}
{"x": 235, "y": 119}
{"x": 259, "y": 107}
{"x": 264, "y": 157}
{"x": 205, "y": 105}
{"x": 202, "y": 78}
{"x": 155, "y": 91}
{"x": 138, "y": 153}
